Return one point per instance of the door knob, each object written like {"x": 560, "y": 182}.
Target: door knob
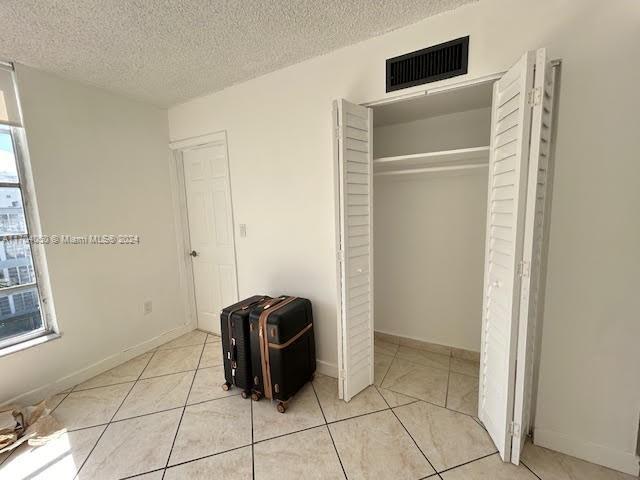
{"x": 193, "y": 253}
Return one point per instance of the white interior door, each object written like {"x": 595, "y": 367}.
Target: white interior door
{"x": 541, "y": 125}
{"x": 508, "y": 163}
{"x": 208, "y": 193}
{"x": 354, "y": 184}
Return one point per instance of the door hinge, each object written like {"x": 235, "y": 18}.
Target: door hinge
{"x": 340, "y": 256}
{"x": 338, "y": 133}
{"x": 524, "y": 269}
{"x": 514, "y": 429}
{"x": 534, "y": 97}
{"x": 341, "y": 374}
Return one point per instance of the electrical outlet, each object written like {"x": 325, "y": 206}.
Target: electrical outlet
{"x": 147, "y": 307}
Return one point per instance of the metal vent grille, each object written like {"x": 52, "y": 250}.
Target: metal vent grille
{"x": 431, "y": 64}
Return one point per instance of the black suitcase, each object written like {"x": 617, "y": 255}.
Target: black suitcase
{"x": 283, "y": 352}
{"x": 236, "y": 352}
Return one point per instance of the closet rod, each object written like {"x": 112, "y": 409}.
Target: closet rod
{"x": 434, "y": 169}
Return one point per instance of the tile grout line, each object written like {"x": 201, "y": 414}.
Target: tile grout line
{"x": 187, "y": 461}
{"x": 413, "y": 399}
{"x": 151, "y": 413}
{"x": 75, "y": 388}
{"x": 531, "y": 470}
{"x": 433, "y": 475}
{"x": 253, "y": 461}
{"x": 65, "y": 397}
{"x": 326, "y": 424}
{"x": 145, "y": 378}
{"x": 112, "y": 417}
{"x": 480, "y": 423}
{"x": 197, "y": 459}
{"x": 236, "y": 395}
{"x": 408, "y": 433}
{"x": 160, "y": 349}
{"x": 184, "y": 408}
{"x": 449, "y": 468}
{"x": 313, "y": 387}
{"x": 467, "y": 463}
{"x": 306, "y": 429}
{"x": 102, "y": 386}
{"x": 430, "y": 403}
{"x": 358, "y": 416}
{"x": 137, "y": 475}
{"x": 446, "y": 395}
{"x": 395, "y": 355}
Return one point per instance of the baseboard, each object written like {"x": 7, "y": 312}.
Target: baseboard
{"x": 420, "y": 344}
{"x": 84, "y": 374}
{"x": 626, "y": 462}
{"x": 326, "y": 368}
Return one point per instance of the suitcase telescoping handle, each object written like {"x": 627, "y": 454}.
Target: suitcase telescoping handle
{"x": 273, "y": 302}
{"x": 254, "y": 304}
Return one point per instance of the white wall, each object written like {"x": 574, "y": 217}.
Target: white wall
{"x": 280, "y": 131}
{"x": 101, "y": 166}
{"x": 429, "y": 233}
{"x": 429, "y": 256}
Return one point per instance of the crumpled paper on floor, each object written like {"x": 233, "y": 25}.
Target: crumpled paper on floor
{"x": 32, "y": 424}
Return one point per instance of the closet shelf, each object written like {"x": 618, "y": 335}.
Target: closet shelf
{"x": 446, "y": 168}
{"x": 444, "y": 157}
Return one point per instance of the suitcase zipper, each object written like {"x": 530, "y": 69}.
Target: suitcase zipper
{"x": 264, "y": 346}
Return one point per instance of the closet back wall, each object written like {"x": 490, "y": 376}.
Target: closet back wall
{"x": 429, "y": 233}
{"x": 429, "y": 256}
{"x": 444, "y": 132}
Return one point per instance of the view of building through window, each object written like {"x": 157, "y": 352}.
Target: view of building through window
{"x": 19, "y": 301}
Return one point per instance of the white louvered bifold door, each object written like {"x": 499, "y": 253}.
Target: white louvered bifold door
{"x": 355, "y": 249}
{"x": 508, "y": 161}
{"x": 541, "y": 124}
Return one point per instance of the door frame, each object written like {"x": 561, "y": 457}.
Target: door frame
{"x": 181, "y": 218}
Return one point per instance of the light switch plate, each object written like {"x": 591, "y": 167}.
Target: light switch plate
{"x": 243, "y": 230}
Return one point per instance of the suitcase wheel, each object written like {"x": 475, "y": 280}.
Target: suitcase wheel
{"x": 244, "y": 394}
{"x": 255, "y": 396}
{"x": 281, "y": 407}
{"x": 226, "y": 386}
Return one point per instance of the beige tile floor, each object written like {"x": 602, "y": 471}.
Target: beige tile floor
{"x": 164, "y": 416}
{"x": 444, "y": 380}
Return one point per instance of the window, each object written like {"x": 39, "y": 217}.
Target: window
{"x": 25, "y": 313}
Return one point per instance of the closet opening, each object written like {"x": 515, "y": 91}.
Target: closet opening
{"x": 430, "y": 168}
{"x": 430, "y": 189}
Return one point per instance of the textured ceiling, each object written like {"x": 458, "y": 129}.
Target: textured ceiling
{"x": 167, "y": 51}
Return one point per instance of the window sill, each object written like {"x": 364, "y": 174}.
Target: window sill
{"x": 33, "y": 342}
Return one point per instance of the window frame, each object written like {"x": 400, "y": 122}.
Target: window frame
{"x": 41, "y": 283}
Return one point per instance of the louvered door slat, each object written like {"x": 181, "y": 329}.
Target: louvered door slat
{"x": 354, "y": 185}
{"x": 510, "y": 121}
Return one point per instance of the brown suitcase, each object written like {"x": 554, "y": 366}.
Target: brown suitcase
{"x": 283, "y": 353}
